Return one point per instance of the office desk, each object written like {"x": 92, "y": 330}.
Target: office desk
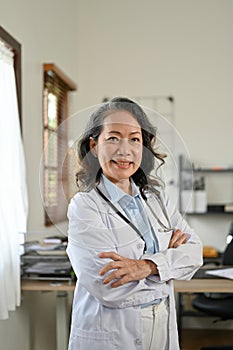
{"x": 203, "y": 285}
{"x": 218, "y": 285}
{"x": 47, "y": 286}
{"x": 62, "y": 316}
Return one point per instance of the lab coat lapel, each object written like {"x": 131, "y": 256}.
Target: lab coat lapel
{"x": 108, "y": 208}
{"x": 154, "y": 204}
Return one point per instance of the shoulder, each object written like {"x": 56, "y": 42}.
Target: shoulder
{"x": 83, "y": 201}
{"x": 158, "y": 196}
{"x": 80, "y": 195}
{"x": 155, "y": 192}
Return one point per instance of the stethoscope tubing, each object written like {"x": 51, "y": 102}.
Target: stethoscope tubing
{"x": 122, "y": 216}
{"x": 163, "y": 227}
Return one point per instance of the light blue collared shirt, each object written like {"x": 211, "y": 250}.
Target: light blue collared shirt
{"x": 133, "y": 208}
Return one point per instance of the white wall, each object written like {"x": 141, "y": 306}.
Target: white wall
{"x": 155, "y": 47}
{"x": 181, "y": 48}
{"x": 47, "y": 31}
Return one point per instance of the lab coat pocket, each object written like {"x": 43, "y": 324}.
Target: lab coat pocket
{"x": 86, "y": 340}
{"x": 163, "y": 239}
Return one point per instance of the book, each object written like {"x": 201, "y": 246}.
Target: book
{"x": 54, "y": 252}
{"x": 55, "y": 239}
{"x": 37, "y": 246}
{"x": 228, "y": 208}
{"x": 23, "y": 243}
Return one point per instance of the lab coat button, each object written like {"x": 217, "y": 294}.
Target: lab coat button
{"x": 139, "y": 245}
{"x": 137, "y": 342}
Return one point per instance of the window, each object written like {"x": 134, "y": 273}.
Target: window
{"x": 16, "y": 48}
{"x": 13, "y": 198}
{"x": 55, "y": 99}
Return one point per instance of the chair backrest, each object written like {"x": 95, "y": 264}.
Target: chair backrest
{"x": 227, "y": 258}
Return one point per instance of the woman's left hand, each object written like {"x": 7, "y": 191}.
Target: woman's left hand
{"x": 177, "y": 238}
{"x": 125, "y": 270}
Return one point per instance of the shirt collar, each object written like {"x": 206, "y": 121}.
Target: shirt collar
{"x": 116, "y": 194}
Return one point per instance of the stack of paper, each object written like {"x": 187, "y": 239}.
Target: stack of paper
{"x": 225, "y": 273}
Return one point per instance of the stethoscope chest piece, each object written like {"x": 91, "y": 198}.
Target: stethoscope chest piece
{"x": 167, "y": 230}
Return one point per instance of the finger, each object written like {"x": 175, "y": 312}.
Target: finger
{"x": 177, "y": 239}
{"x": 181, "y": 240}
{"x": 115, "y": 275}
{"x": 110, "y": 266}
{"x": 120, "y": 282}
{"x": 174, "y": 237}
{"x": 110, "y": 255}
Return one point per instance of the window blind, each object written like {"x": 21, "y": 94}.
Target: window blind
{"x": 56, "y": 189}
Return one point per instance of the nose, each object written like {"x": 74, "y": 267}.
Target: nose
{"x": 124, "y": 147}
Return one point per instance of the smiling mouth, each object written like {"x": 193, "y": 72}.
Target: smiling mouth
{"x": 122, "y": 164}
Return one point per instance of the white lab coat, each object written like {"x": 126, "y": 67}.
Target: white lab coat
{"x": 106, "y": 318}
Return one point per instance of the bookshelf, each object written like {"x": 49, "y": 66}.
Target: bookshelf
{"x": 188, "y": 178}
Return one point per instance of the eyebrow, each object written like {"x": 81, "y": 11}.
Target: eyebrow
{"x": 118, "y": 132}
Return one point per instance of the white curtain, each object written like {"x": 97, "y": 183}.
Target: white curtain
{"x": 13, "y": 193}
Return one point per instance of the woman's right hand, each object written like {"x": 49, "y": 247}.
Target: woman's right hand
{"x": 177, "y": 238}
{"x": 123, "y": 270}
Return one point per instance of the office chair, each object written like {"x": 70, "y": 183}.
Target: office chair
{"x": 218, "y": 304}
{"x": 226, "y": 347}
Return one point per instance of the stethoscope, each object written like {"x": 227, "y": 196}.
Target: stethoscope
{"x": 163, "y": 227}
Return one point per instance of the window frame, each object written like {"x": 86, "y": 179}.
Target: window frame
{"x": 56, "y": 212}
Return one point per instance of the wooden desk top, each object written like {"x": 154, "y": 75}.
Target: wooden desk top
{"x": 42, "y": 286}
{"x": 221, "y": 285}
{"x": 217, "y": 285}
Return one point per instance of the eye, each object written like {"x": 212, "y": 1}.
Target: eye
{"x": 135, "y": 139}
{"x": 113, "y": 139}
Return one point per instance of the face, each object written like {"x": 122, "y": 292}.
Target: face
{"x": 119, "y": 146}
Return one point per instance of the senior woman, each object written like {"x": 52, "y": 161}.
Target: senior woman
{"x": 127, "y": 242}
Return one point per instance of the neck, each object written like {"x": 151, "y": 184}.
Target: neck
{"x": 125, "y": 186}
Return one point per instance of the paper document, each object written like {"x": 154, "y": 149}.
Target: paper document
{"x": 49, "y": 267}
{"x": 45, "y": 247}
{"x": 226, "y": 273}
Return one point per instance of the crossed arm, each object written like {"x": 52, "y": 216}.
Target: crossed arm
{"x": 127, "y": 270}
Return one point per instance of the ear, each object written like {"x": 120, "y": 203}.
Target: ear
{"x": 92, "y": 145}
